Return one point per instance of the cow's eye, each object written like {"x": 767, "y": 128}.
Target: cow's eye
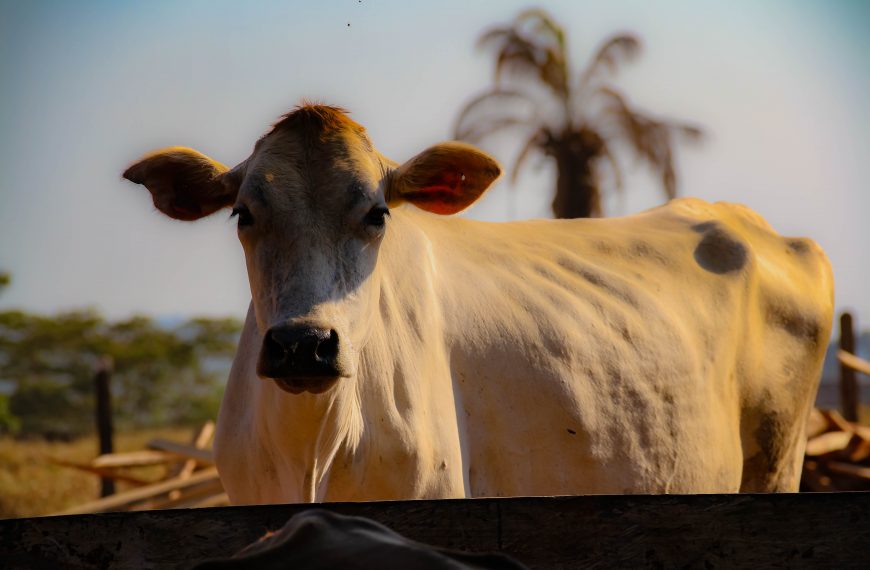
{"x": 244, "y": 216}
{"x": 376, "y": 216}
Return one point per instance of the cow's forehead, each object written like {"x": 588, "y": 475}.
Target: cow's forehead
{"x": 317, "y": 121}
{"x": 316, "y": 147}
{"x": 315, "y": 133}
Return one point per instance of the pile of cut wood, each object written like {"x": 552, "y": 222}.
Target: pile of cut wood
{"x": 838, "y": 454}
{"x": 190, "y": 480}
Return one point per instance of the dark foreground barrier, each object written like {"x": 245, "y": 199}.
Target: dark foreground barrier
{"x": 819, "y": 530}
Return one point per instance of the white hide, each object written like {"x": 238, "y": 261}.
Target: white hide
{"x": 675, "y": 351}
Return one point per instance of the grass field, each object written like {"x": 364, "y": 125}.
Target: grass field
{"x": 30, "y": 484}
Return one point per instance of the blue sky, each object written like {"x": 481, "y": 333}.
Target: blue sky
{"x": 782, "y": 88}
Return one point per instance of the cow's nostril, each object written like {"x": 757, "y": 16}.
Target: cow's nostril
{"x": 273, "y": 345}
{"x": 327, "y": 348}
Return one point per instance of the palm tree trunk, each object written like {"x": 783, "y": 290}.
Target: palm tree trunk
{"x": 577, "y": 193}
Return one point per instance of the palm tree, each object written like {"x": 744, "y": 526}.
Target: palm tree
{"x": 577, "y": 121}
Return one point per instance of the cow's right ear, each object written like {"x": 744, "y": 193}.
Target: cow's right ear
{"x": 443, "y": 179}
{"x": 184, "y": 184}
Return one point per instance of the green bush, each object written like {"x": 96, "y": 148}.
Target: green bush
{"x": 9, "y": 422}
{"x": 161, "y": 375}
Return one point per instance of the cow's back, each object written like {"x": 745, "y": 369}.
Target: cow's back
{"x": 676, "y": 350}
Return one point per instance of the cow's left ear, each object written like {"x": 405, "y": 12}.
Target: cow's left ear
{"x": 443, "y": 179}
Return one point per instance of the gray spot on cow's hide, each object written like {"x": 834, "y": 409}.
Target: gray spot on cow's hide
{"x": 704, "y": 227}
{"x": 798, "y": 245}
{"x": 770, "y": 435}
{"x": 719, "y": 251}
{"x": 796, "y": 323}
{"x": 770, "y": 469}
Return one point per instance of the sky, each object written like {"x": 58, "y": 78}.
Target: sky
{"x": 781, "y": 87}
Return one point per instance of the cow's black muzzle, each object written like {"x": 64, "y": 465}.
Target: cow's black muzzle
{"x": 300, "y": 358}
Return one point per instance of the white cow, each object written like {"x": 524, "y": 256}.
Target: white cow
{"x": 397, "y": 354}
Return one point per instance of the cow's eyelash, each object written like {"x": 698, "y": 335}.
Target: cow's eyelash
{"x": 243, "y": 214}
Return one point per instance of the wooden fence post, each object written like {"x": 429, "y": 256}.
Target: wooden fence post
{"x": 104, "y": 417}
{"x": 848, "y": 377}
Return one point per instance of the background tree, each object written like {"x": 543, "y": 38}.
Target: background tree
{"x": 162, "y": 375}
{"x": 578, "y": 121}
{"x": 9, "y": 423}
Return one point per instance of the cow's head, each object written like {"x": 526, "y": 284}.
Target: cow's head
{"x": 312, "y": 203}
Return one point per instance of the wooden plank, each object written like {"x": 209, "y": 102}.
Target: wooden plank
{"x": 134, "y": 459}
{"x": 183, "y": 499}
{"x": 855, "y": 471}
{"x": 838, "y": 423}
{"x": 858, "y": 449}
{"x": 127, "y": 498}
{"x": 201, "y": 440}
{"x": 103, "y": 410}
{"x": 836, "y": 420}
{"x": 103, "y": 472}
{"x": 817, "y": 424}
{"x": 828, "y": 442}
{"x": 854, "y": 362}
{"x": 862, "y": 431}
{"x": 182, "y": 450}
{"x": 849, "y": 398}
{"x": 809, "y": 530}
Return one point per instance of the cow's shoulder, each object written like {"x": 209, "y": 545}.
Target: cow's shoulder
{"x": 792, "y": 281}
{"x": 722, "y": 224}
{"x": 726, "y": 212}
